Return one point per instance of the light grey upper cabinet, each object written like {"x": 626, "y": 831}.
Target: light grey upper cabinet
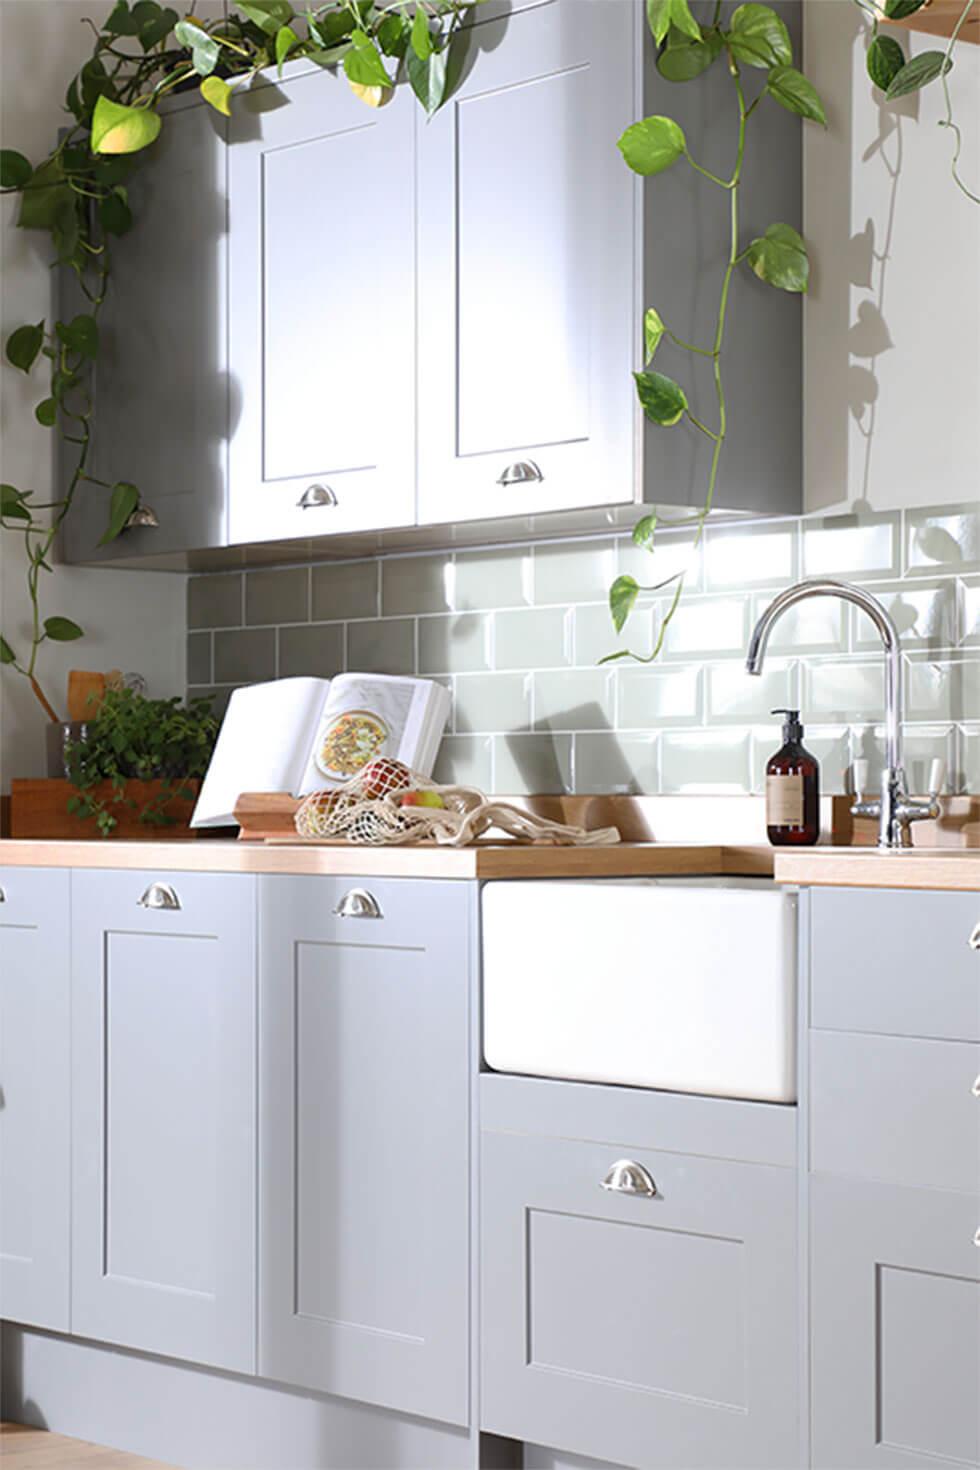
{"x": 526, "y": 285}
{"x": 35, "y": 1099}
{"x": 322, "y": 318}
{"x": 161, "y": 389}
{"x": 163, "y": 1113}
{"x": 364, "y": 1059}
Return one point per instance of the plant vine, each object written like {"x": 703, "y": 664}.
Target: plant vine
{"x": 78, "y": 194}
{"x": 756, "y": 37}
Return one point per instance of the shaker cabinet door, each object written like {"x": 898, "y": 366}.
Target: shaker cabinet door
{"x": 526, "y": 270}
{"x": 895, "y": 1322}
{"x": 35, "y": 1123}
{"x": 363, "y": 1157}
{"x": 163, "y": 1109}
{"x": 322, "y": 318}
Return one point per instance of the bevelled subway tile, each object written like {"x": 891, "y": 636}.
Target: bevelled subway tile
{"x": 837, "y": 691}
{"x": 280, "y": 596}
{"x": 574, "y": 571}
{"x": 345, "y": 589}
{"x": 921, "y": 745}
{"x": 314, "y": 649}
{"x": 969, "y": 759}
{"x": 946, "y": 689}
{"x": 465, "y": 760}
{"x": 706, "y": 761}
{"x": 736, "y": 696}
{"x": 830, "y": 744}
{"x": 215, "y": 601}
{"x": 246, "y": 656}
{"x": 852, "y": 546}
{"x": 970, "y": 611}
{"x": 751, "y": 556}
{"x": 593, "y": 634}
{"x": 673, "y": 551}
{"x": 574, "y": 699}
{"x": 199, "y": 658}
{"x": 818, "y": 625}
{"x": 455, "y": 644}
{"x": 381, "y": 646}
{"x": 611, "y": 763}
{"x": 416, "y": 584}
{"x": 491, "y": 579}
{"x": 532, "y": 638}
{"x": 658, "y": 695}
{"x": 925, "y": 614}
{"x": 705, "y": 626}
{"x": 532, "y": 764}
{"x": 944, "y": 539}
{"x": 494, "y": 703}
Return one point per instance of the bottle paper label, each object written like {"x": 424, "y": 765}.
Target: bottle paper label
{"x": 784, "y": 801}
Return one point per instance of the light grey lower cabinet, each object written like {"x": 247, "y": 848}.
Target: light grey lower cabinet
{"x": 35, "y": 1103}
{"x": 650, "y": 1330}
{"x": 364, "y": 1066}
{"x": 163, "y": 1113}
{"x": 895, "y": 1318}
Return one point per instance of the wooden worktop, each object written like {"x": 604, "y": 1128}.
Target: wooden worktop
{"x": 863, "y": 867}
{"x": 503, "y": 860}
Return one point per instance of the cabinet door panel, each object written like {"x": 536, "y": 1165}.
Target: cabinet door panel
{"x": 322, "y": 219}
{"x": 364, "y": 1144}
{"x": 646, "y": 1331}
{"x": 163, "y": 1107}
{"x": 35, "y": 1123}
{"x": 895, "y": 1308}
{"x": 526, "y": 269}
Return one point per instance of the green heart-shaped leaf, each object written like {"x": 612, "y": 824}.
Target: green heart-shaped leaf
{"x": 15, "y": 169}
{"x": 23, "y": 346}
{"x": 653, "y": 330}
{"x": 216, "y": 91}
{"x": 428, "y": 79}
{"x": 918, "y": 72}
{"x": 622, "y": 599}
{"x": 791, "y": 90}
{"x": 682, "y": 59}
{"x": 62, "y": 630}
{"x": 662, "y": 14}
{"x": 12, "y": 506}
{"x": 123, "y": 501}
{"x": 44, "y": 197}
{"x": 153, "y": 31}
{"x": 121, "y": 22}
{"x": 46, "y": 413}
{"x": 884, "y": 61}
{"x": 663, "y": 400}
{"x": 120, "y": 129}
{"x": 779, "y": 257}
{"x": 80, "y": 335}
{"x": 758, "y": 36}
{"x": 899, "y": 9}
{"x": 114, "y": 212}
{"x": 421, "y": 35}
{"x": 644, "y": 530}
{"x": 392, "y": 35}
{"x": 363, "y": 63}
{"x": 203, "y": 48}
{"x": 268, "y": 15}
{"x": 652, "y": 145}
{"x": 7, "y": 655}
{"x": 286, "y": 40}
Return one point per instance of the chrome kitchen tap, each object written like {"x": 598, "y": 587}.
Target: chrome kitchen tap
{"x": 895, "y": 810}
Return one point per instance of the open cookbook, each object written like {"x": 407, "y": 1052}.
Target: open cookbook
{"x": 304, "y": 735}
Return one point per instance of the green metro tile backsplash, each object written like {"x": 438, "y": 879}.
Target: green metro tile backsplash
{"x": 516, "y": 634}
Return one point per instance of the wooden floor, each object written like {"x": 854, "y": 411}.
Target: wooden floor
{"x": 22, "y": 1448}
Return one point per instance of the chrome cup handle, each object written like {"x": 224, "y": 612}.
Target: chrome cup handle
{"x": 974, "y": 940}
{"x": 628, "y": 1177}
{"x": 358, "y": 904}
{"x": 159, "y": 896}
{"x": 316, "y": 495}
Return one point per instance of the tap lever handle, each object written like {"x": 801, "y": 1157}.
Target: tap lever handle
{"x": 937, "y": 776}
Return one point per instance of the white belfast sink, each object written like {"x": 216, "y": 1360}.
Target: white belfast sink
{"x": 685, "y": 984}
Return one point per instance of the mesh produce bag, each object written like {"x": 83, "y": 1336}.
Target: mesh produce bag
{"x": 369, "y": 810}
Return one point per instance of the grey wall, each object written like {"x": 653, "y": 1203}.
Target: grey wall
{"x": 516, "y": 633}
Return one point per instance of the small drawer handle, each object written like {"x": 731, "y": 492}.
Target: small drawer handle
{"x": 358, "y": 904}
{"x": 976, "y": 1238}
{"x": 628, "y": 1177}
{"x": 3, "y": 896}
{"x": 975, "y": 1089}
{"x": 159, "y": 896}
{"x": 522, "y": 472}
{"x": 316, "y": 495}
{"x": 975, "y": 938}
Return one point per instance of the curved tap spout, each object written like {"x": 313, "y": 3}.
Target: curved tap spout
{"x": 829, "y": 587}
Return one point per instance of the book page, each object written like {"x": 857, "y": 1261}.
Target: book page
{"x": 366, "y": 716}
{"x": 262, "y": 745}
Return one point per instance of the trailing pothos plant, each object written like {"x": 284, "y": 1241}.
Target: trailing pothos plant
{"x": 753, "y": 37}
{"x": 78, "y": 195}
{"x": 894, "y": 74}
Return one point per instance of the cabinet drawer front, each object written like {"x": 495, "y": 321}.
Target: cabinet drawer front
{"x": 896, "y": 1109}
{"x": 895, "y": 1326}
{"x": 894, "y": 962}
{"x": 163, "y": 1114}
{"x": 650, "y": 1331}
{"x": 35, "y": 1099}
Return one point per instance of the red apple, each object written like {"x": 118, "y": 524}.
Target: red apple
{"x": 421, "y": 798}
{"x": 384, "y": 775}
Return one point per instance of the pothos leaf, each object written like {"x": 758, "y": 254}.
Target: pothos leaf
{"x": 662, "y": 14}
{"x": 124, "y": 500}
{"x": 758, "y": 36}
{"x": 286, "y": 40}
{"x": 46, "y": 413}
{"x": 268, "y": 15}
{"x": 114, "y": 212}
{"x": 663, "y": 400}
{"x": 644, "y": 529}
{"x": 791, "y": 90}
{"x": 682, "y": 59}
{"x": 779, "y": 257}
{"x": 216, "y": 91}
{"x": 23, "y": 346}
{"x": 917, "y": 73}
{"x": 7, "y": 655}
{"x": 62, "y": 630}
{"x": 120, "y": 129}
{"x": 899, "y": 9}
{"x": 80, "y": 335}
{"x": 12, "y": 506}
{"x": 421, "y": 35}
{"x": 428, "y": 79}
{"x": 651, "y": 145}
{"x": 203, "y": 48}
{"x": 44, "y": 196}
{"x": 363, "y": 63}
{"x": 622, "y": 599}
{"x": 653, "y": 330}
{"x": 15, "y": 169}
{"x": 884, "y": 61}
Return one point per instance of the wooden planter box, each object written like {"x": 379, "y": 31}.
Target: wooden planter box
{"x": 40, "y": 809}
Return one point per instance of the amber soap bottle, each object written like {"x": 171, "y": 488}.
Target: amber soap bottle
{"x": 792, "y": 789}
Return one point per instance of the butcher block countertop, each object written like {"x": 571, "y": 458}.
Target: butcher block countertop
{"x": 866, "y": 867}
{"x": 499, "y": 860}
